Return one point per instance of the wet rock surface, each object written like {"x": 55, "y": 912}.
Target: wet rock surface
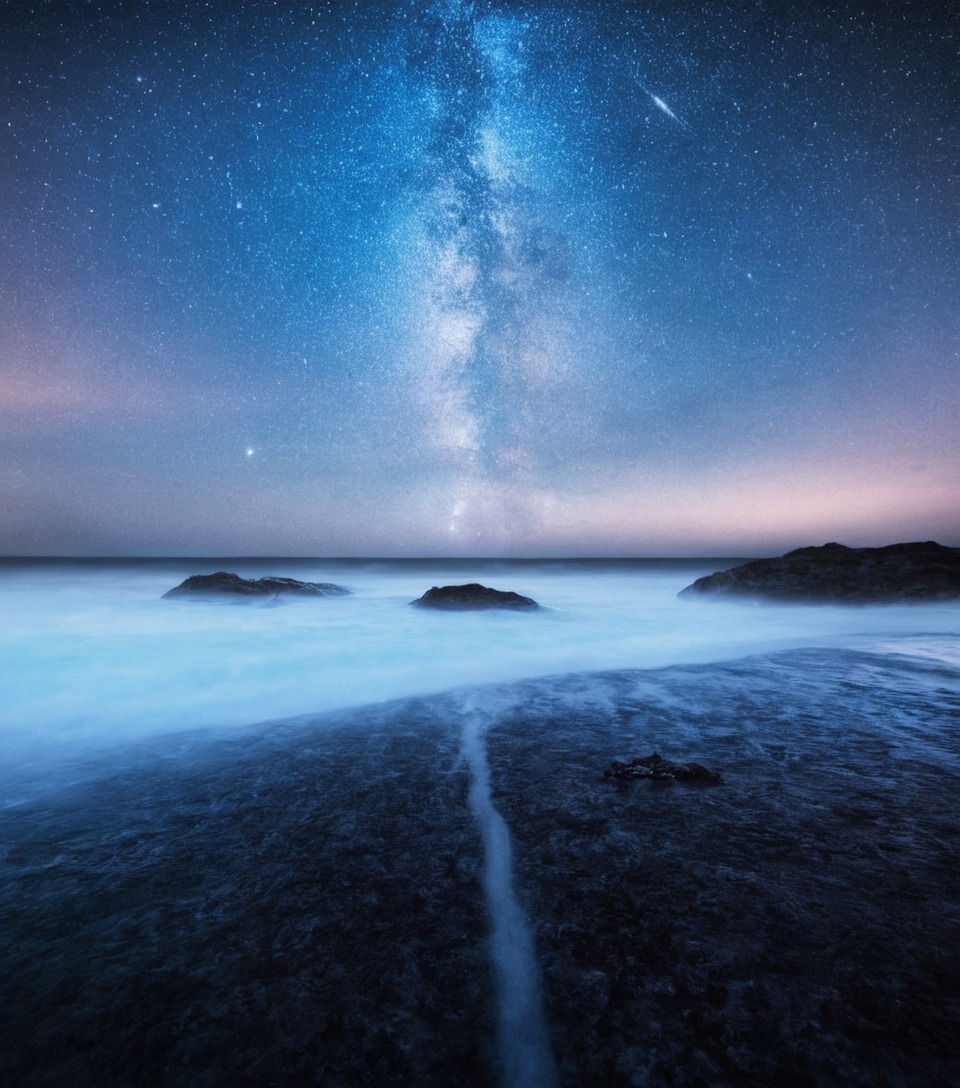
{"x": 225, "y": 584}
{"x": 471, "y": 597}
{"x": 797, "y": 925}
{"x": 280, "y": 909}
{"x": 655, "y": 766}
{"x": 833, "y": 572}
{"x": 301, "y": 903}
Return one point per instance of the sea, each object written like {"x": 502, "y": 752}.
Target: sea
{"x": 345, "y": 841}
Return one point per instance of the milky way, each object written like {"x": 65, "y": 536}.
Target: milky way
{"x": 490, "y": 278}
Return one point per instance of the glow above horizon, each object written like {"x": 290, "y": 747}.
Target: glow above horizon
{"x": 506, "y": 278}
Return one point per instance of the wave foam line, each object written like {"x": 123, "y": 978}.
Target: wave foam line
{"x": 524, "y": 1045}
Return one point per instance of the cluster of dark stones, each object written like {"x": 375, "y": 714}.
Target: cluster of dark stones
{"x": 472, "y": 597}
{"x": 232, "y": 585}
{"x": 655, "y": 766}
{"x": 834, "y": 573}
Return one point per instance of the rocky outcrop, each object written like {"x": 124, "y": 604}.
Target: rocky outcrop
{"x": 655, "y": 766}
{"x": 472, "y": 597}
{"x": 224, "y": 584}
{"x": 899, "y": 572}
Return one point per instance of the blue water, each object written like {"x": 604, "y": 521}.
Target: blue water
{"x": 92, "y": 657}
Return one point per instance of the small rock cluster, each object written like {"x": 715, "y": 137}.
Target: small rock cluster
{"x": 655, "y": 766}
{"x": 466, "y": 598}
{"x": 232, "y": 585}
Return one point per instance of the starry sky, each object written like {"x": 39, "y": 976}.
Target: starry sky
{"x": 493, "y": 278}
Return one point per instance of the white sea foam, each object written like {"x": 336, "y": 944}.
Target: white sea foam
{"x": 92, "y": 656}
{"x": 930, "y": 647}
{"x": 523, "y": 1037}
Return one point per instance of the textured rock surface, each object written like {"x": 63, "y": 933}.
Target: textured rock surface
{"x": 898, "y": 572}
{"x": 471, "y": 597}
{"x": 655, "y": 766}
{"x": 232, "y": 585}
{"x": 299, "y": 903}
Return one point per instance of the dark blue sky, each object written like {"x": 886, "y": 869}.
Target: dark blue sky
{"x": 501, "y": 278}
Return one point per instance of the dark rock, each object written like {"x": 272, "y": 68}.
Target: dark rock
{"x": 655, "y": 766}
{"x": 899, "y": 572}
{"x": 472, "y": 597}
{"x": 223, "y": 584}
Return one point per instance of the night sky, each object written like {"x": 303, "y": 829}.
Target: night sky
{"x": 480, "y": 279}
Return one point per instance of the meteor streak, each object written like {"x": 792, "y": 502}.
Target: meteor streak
{"x": 660, "y": 104}
{"x": 664, "y": 108}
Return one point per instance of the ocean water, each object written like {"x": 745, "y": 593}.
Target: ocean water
{"x": 345, "y": 841}
{"x": 92, "y": 657}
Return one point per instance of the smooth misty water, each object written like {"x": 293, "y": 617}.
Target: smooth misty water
{"x": 91, "y": 656}
{"x": 350, "y": 842}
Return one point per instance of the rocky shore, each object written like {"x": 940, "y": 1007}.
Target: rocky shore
{"x": 301, "y": 903}
{"x": 834, "y": 573}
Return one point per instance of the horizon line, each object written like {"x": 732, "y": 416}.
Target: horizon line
{"x": 574, "y": 558}
{"x": 434, "y": 558}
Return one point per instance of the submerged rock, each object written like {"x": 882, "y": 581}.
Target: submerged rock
{"x": 232, "y": 585}
{"x": 655, "y": 766}
{"x": 472, "y": 597}
{"x": 833, "y": 572}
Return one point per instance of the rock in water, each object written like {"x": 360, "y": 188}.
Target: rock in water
{"x": 223, "y": 584}
{"x": 472, "y": 597}
{"x": 655, "y": 766}
{"x": 899, "y": 572}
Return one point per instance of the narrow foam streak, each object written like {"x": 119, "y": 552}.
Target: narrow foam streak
{"x": 526, "y": 1058}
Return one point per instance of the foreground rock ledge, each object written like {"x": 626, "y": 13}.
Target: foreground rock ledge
{"x": 925, "y": 571}
{"x": 472, "y": 597}
{"x": 224, "y": 584}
